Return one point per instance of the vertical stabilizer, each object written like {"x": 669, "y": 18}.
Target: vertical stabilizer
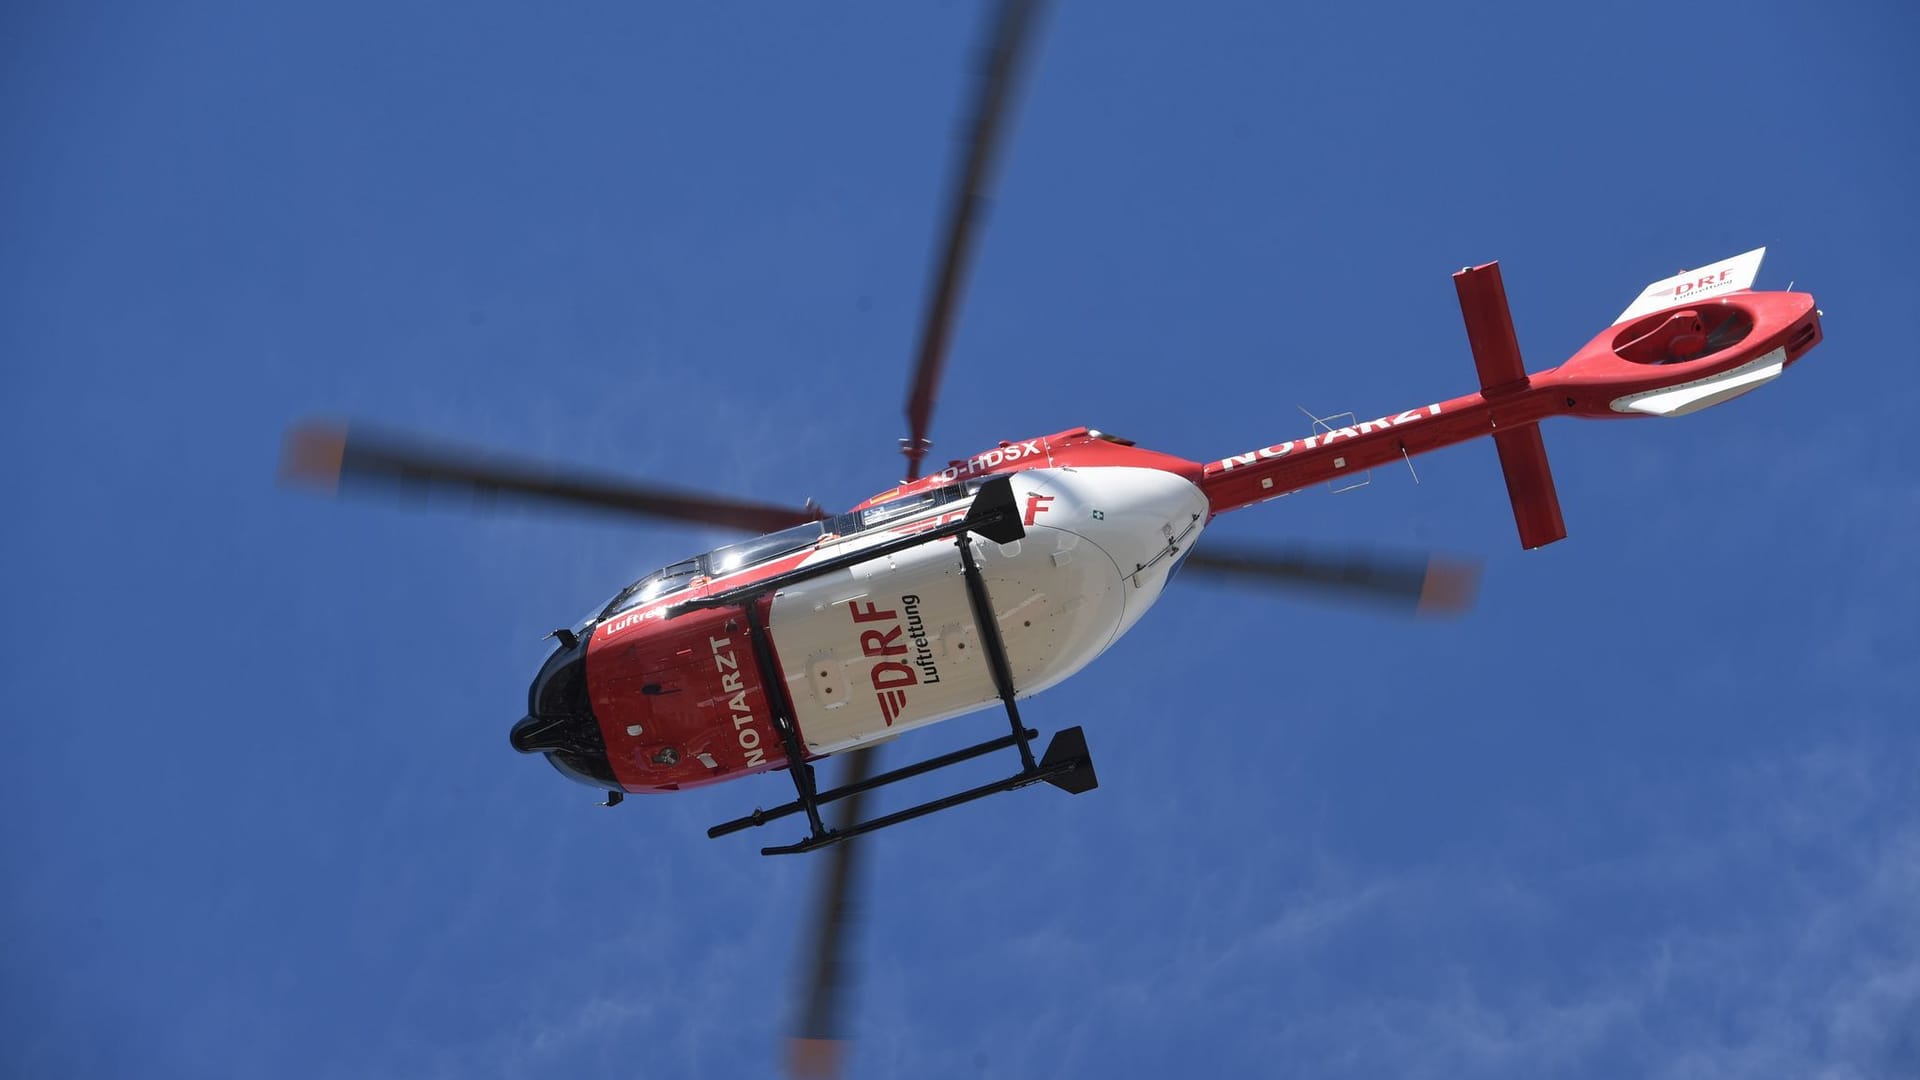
{"x": 1719, "y": 279}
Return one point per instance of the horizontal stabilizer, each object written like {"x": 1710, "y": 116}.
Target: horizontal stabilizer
{"x": 1536, "y": 504}
{"x": 1496, "y": 354}
{"x": 1496, "y": 351}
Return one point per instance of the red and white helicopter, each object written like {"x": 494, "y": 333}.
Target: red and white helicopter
{"x": 1002, "y": 574}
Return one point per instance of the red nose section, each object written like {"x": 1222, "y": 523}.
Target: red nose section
{"x": 681, "y": 702}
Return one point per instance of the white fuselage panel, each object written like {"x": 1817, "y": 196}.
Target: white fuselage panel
{"x": 892, "y": 644}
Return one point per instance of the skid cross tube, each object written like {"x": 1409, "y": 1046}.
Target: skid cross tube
{"x": 1019, "y": 780}
{"x": 761, "y": 817}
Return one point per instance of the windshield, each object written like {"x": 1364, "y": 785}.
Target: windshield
{"x": 747, "y": 553}
{"x": 906, "y": 505}
{"x": 658, "y": 583}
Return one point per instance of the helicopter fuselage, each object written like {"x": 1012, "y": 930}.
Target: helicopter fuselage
{"x": 890, "y": 644}
{"x": 793, "y": 645}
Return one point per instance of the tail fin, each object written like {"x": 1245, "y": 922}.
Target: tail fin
{"x": 1496, "y": 353}
{"x": 1719, "y": 279}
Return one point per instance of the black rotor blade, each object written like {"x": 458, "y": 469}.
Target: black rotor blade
{"x": 326, "y": 456}
{"x": 1423, "y": 584}
{"x": 817, "y": 1045}
{"x": 1006, "y": 47}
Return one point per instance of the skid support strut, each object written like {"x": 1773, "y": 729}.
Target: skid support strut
{"x": 797, "y": 763}
{"x": 989, "y": 627}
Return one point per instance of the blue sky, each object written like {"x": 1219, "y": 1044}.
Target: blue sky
{"x": 1650, "y": 810}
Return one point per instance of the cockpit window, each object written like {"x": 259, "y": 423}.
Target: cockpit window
{"x": 736, "y": 557}
{"x": 747, "y": 553}
{"x": 658, "y": 583}
{"x": 898, "y": 508}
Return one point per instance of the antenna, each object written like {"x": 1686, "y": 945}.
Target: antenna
{"x": 1321, "y": 426}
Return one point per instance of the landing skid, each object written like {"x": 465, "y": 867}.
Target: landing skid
{"x": 1066, "y": 765}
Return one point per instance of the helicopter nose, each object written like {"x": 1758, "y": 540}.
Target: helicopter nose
{"x": 540, "y": 734}
{"x": 560, "y": 721}
{"x": 559, "y": 690}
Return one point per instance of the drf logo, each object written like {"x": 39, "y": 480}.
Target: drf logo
{"x": 1704, "y": 283}
{"x": 890, "y": 677}
{"x": 1036, "y": 505}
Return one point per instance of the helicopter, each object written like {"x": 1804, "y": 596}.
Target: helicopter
{"x": 988, "y": 580}
{"x": 1005, "y": 573}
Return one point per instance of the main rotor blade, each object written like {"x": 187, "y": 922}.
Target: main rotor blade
{"x": 817, "y": 1047}
{"x": 1423, "y": 585}
{"x": 325, "y": 456}
{"x": 971, "y": 185}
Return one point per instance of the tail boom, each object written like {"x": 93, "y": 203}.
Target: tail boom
{"x": 1668, "y": 362}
